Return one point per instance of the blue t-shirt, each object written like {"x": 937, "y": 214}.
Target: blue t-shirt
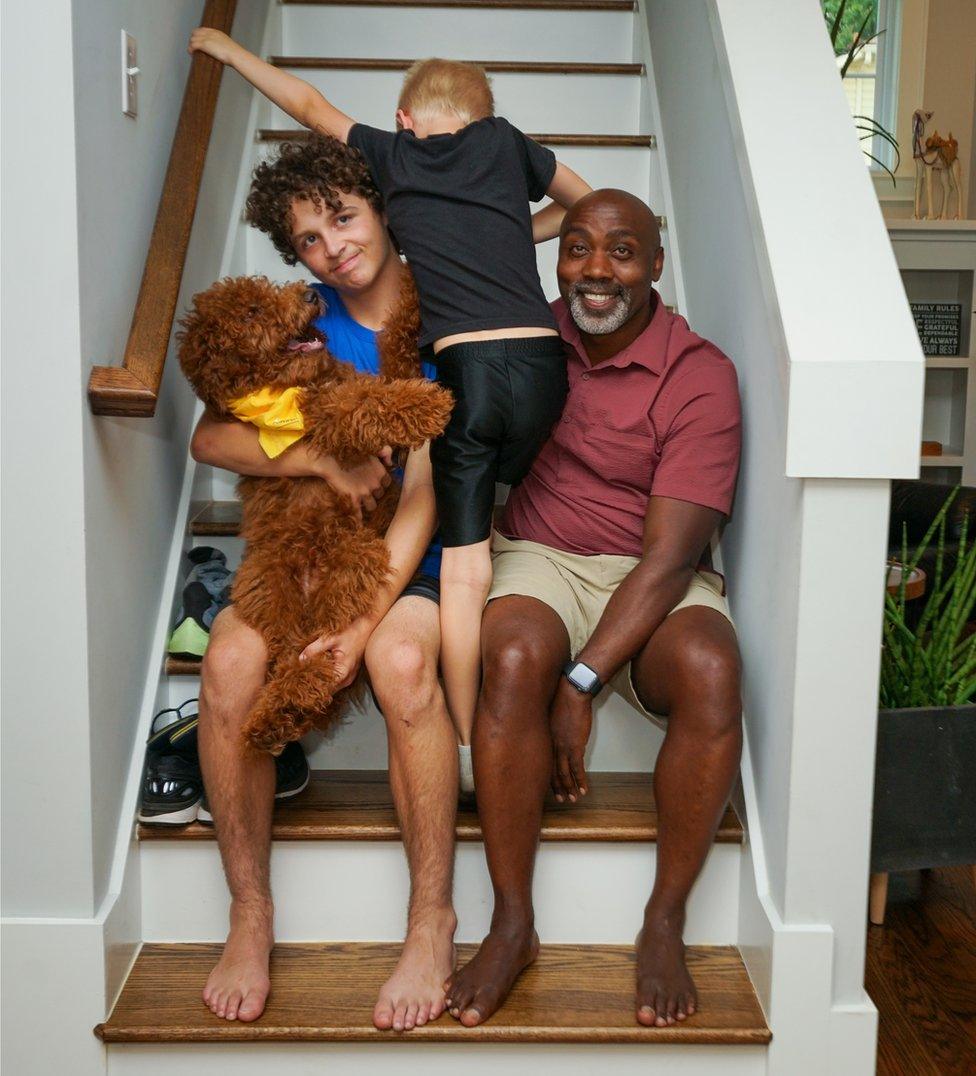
{"x": 355, "y": 344}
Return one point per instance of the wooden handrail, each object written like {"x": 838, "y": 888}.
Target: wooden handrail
{"x": 133, "y": 387}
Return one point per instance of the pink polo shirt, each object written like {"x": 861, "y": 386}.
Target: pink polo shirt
{"x": 661, "y": 418}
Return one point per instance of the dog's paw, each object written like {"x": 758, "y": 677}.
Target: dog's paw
{"x": 423, "y": 411}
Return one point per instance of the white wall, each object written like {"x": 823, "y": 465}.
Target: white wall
{"x": 133, "y": 467}
{"x": 46, "y": 777}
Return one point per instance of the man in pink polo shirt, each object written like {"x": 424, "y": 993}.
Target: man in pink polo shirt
{"x": 602, "y": 577}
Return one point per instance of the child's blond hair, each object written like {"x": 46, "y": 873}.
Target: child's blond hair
{"x": 447, "y": 86}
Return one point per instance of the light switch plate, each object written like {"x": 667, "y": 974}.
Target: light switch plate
{"x": 130, "y": 71}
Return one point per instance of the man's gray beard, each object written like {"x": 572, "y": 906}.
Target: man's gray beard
{"x": 598, "y": 324}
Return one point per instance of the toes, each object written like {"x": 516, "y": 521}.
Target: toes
{"x": 383, "y": 1015}
{"x": 410, "y": 1020}
{"x": 460, "y": 998}
{"x": 471, "y": 1016}
{"x": 423, "y": 1013}
{"x": 671, "y": 1010}
{"x": 233, "y": 1004}
{"x": 252, "y": 1006}
{"x": 399, "y": 1014}
{"x": 645, "y": 1016}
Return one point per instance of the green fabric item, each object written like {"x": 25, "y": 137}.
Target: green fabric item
{"x": 189, "y": 639}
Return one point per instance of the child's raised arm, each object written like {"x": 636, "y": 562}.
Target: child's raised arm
{"x": 565, "y": 189}
{"x": 301, "y": 101}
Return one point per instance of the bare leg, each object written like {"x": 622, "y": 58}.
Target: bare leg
{"x": 240, "y": 792}
{"x": 525, "y": 646}
{"x": 465, "y": 580}
{"x": 690, "y": 671}
{"x": 402, "y": 661}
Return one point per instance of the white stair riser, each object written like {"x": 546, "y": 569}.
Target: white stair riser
{"x": 541, "y": 103}
{"x": 432, "y": 1059}
{"x": 460, "y": 34}
{"x": 592, "y": 892}
{"x": 622, "y": 739}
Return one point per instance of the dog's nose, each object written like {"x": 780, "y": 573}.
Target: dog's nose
{"x": 310, "y": 296}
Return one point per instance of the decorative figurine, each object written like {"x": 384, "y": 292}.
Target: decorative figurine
{"x": 935, "y": 154}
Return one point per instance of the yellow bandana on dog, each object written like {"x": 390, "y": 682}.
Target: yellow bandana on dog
{"x": 276, "y": 415}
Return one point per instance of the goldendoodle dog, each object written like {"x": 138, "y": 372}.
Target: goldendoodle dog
{"x": 310, "y": 566}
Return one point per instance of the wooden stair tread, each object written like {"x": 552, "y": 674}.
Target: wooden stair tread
{"x": 532, "y": 67}
{"x": 344, "y": 805}
{"x": 544, "y": 5}
{"x": 326, "y": 993}
{"x": 605, "y": 141}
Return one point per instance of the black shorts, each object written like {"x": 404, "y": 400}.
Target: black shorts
{"x": 508, "y": 395}
{"x": 423, "y": 586}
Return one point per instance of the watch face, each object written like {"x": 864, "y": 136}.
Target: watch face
{"x": 583, "y": 677}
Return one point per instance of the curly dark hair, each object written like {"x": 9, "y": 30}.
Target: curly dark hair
{"x": 320, "y": 169}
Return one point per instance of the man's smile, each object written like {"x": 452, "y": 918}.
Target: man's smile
{"x": 599, "y": 302}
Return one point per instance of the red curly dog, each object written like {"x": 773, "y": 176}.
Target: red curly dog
{"x": 309, "y": 566}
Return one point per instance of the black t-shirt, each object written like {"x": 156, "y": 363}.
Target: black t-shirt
{"x": 458, "y": 205}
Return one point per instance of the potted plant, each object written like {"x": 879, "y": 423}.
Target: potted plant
{"x": 925, "y": 772}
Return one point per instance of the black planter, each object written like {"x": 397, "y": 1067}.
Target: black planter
{"x": 924, "y": 789}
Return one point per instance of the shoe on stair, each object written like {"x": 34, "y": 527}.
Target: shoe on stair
{"x": 291, "y": 777}
{"x": 172, "y": 787}
{"x": 206, "y": 591}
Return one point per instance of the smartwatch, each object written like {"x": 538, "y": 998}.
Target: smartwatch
{"x": 582, "y": 677}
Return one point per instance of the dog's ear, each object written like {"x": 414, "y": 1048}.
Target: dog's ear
{"x": 397, "y": 343}
{"x": 209, "y": 358}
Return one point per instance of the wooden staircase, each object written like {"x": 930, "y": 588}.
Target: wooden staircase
{"x": 338, "y": 870}
{"x": 325, "y": 992}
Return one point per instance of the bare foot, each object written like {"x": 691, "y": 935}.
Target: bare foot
{"x": 479, "y": 989}
{"x": 665, "y": 991}
{"x": 414, "y": 993}
{"x": 238, "y": 987}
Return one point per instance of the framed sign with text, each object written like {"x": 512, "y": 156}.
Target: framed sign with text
{"x": 938, "y": 326}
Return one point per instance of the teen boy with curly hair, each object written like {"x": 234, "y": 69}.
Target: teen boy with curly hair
{"x": 319, "y": 206}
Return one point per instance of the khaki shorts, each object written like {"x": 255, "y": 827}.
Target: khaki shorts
{"x": 577, "y": 589}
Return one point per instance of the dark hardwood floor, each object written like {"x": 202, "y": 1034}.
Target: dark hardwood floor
{"x": 921, "y": 974}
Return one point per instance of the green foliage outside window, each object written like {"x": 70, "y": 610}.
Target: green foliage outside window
{"x": 858, "y": 20}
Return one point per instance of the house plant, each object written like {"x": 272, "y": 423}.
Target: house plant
{"x": 851, "y": 25}
{"x": 925, "y": 773}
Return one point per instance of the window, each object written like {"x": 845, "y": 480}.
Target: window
{"x": 871, "y": 79}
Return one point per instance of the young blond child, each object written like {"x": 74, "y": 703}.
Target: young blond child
{"x": 456, "y": 181}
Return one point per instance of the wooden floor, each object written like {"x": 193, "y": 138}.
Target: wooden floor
{"x": 921, "y": 974}
{"x": 326, "y": 993}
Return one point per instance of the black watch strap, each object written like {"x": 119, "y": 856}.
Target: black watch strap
{"x": 583, "y": 678}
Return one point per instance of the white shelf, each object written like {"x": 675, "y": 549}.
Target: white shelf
{"x": 945, "y": 460}
{"x": 947, "y": 362}
{"x": 910, "y": 225}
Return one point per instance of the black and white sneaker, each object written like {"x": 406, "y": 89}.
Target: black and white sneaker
{"x": 291, "y": 777}
{"x": 172, "y": 787}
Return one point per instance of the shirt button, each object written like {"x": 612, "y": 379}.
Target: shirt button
{"x": 586, "y": 377}
{"x": 567, "y": 420}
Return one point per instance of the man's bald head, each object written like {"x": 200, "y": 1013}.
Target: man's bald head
{"x": 609, "y": 257}
{"x": 628, "y": 209}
